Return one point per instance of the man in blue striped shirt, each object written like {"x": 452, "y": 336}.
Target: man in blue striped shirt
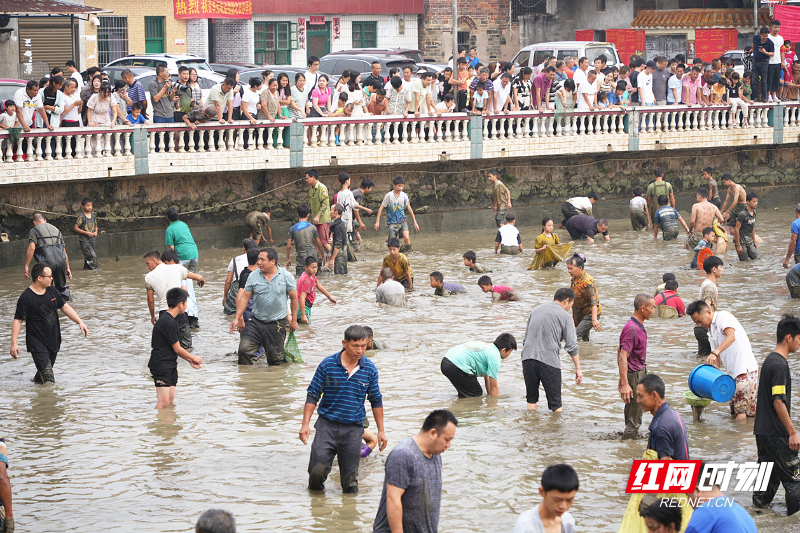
{"x": 342, "y": 380}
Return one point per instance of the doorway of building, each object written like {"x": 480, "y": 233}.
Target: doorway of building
{"x": 318, "y": 39}
{"x": 154, "y": 35}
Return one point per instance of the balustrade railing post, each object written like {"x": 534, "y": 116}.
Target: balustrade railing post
{"x": 296, "y": 142}
{"x": 633, "y": 129}
{"x": 139, "y": 145}
{"x": 776, "y": 121}
{"x": 476, "y": 137}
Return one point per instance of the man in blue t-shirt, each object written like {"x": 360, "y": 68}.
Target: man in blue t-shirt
{"x": 794, "y": 245}
{"x": 714, "y": 512}
{"x": 667, "y": 219}
{"x": 667, "y": 430}
{"x": 763, "y": 49}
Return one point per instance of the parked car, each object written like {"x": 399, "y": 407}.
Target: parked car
{"x": 222, "y": 68}
{"x": 533, "y": 55}
{"x": 336, "y": 64}
{"x": 205, "y": 78}
{"x": 7, "y": 89}
{"x": 172, "y": 61}
{"x": 414, "y": 55}
{"x": 736, "y": 57}
{"x": 244, "y": 76}
{"x": 115, "y": 73}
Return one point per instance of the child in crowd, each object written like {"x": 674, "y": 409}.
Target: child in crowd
{"x": 621, "y": 96}
{"x": 508, "y": 239}
{"x": 558, "y": 489}
{"x": 719, "y": 92}
{"x": 602, "y": 100}
{"x": 664, "y": 279}
{"x": 789, "y": 61}
{"x": 8, "y": 120}
{"x": 399, "y": 265}
{"x": 307, "y": 287}
{"x": 546, "y": 238}
{"x": 86, "y": 228}
{"x": 703, "y": 248}
{"x": 338, "y": 229}
{"x": 447, "y": 105}
{"x": 135, "y": 116}
{"x": 358, "y": 195}
{"x": 370, "y": 441}
{"x": 500, "y": 293}
{"x": 396, "y": 202}
{"x": 479, "y": 99}
{"x": 444, "y": 288}
{"x": 668, "y": 303}
{"x": 470, "y": 261}
{"x": 640, "y": 214}
{"x": 339, "y": 112}
{"x": 166, "y": 348}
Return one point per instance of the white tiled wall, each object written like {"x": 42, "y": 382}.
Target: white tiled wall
{"x": 387, "y": 27}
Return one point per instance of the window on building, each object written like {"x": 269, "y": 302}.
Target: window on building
{"x": 154, "y": 35}
{"x": 364, "y": 35}
{"x": 527, "y": 7}
{"x": 463, "y": 39}
{"x": 112, "y": 39}
{"x": 601, "y": 5}
{"x": 274, "y": 42}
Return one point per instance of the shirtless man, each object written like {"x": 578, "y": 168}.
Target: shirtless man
{"x": 738, "y": 198}
{"x": 703, "y": 215}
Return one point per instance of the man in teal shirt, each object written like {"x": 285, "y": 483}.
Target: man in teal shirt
{"x": 465, "y": 363}
{"x": 180, "y": 239}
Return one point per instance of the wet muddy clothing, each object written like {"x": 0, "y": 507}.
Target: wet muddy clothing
{"x": 654, "y": 190}
{"x": 466, "y": 385}
{"x": 535, "y": 372}
{"x": 793, "y": 281}
{"x": 667, "y": 219}
{"x": 583, "y": 226}
{"x": 772, "y": 438}
{"x": 42, "y": 329}
{"x": 586, "y": 296}
{"x": 531, "y": 522}
{"x": 87, "y": 223}
{"x": 638, "y": 213}
{"x": 449, "y": 288}
{"x": 670, "y": 299}
{"x": 339, "y": 241}
{"x": 391, "y": 292}
{"x": 163, "y": 359}
{"x": 304, "y": 235}
{"x": 256, "y": 220}
{"x": 180, "y": 236}
{"x": 420, "y": 477}
{"x": 747, "y": 225}
{"x": 401, "y": 268}
{"x": 50, "y": 249}
{"x": 259, "y": 335}
{"x": 333, "y": 439}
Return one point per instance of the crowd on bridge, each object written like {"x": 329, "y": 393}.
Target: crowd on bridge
{"x": 65, "y": 100}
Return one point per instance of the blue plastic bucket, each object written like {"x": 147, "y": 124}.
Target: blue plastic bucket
{"x": 707, "y": 381}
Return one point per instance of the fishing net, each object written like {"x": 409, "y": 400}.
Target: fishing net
{"x": 291, "y": 352}
{"x": 554, "y": 253}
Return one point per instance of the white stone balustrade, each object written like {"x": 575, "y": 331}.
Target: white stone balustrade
{"x": 91, "y": 153}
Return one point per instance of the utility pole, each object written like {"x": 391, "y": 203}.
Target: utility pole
{"x": 455, "y": 50}
{"x": 755, "y": 15}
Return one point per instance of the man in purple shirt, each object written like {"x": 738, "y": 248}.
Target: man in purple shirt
{"x": 632, "y": 360}
{"x": 541, "y": 89}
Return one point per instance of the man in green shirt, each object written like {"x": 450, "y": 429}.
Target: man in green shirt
{"x": 465, "y": 363}
{"x": 320, "y": 203}
{"x": 656, "y": 189}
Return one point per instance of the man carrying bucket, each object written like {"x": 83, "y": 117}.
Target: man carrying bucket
{"x": 730, "y": 346}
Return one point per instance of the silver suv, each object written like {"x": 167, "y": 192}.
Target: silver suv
{"x": 172, "y": 61}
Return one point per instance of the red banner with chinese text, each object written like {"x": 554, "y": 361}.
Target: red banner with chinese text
{"x": 627, "y": 41}
{"x": 218, "y": 9}
{"x": 710, "y": 43}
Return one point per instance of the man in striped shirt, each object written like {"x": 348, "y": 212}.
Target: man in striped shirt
{"x": 342, "y": 381}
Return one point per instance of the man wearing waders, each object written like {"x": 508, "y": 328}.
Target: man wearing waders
{"x": 656, "y": 189}
{"x": 38, "y": 306}
{"x": 47, "y": 245}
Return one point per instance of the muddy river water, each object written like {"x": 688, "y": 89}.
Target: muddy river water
{"x": 91, "y": 454}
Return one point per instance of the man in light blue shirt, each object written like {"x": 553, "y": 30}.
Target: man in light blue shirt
{"x": 465, "y": 363}
{"x": 794, "y": 244}
{"x": 269, "y": 286}
{"x": 714, "y": 512}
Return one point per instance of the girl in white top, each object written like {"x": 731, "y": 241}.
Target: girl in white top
{"x": 355, "y": 95}
{"x": 71, "y": 116}
{"x": 298, "y": 107}
{"x": 251, "y": 100}
{"x": 341, "y": 85}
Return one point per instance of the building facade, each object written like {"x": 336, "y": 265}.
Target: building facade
{"x": 134, "y": 28}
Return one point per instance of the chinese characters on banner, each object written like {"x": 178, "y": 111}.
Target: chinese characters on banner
{"x": 316, "y": 21}
{"x": 221, "y": 9}
{"x": 301, "y": 34}
{"x": 337, "y": 27}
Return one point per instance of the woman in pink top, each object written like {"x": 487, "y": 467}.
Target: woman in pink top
{"x": 320, "y": 103}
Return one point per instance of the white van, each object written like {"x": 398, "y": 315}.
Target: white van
{"x": 533, "y": 55}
